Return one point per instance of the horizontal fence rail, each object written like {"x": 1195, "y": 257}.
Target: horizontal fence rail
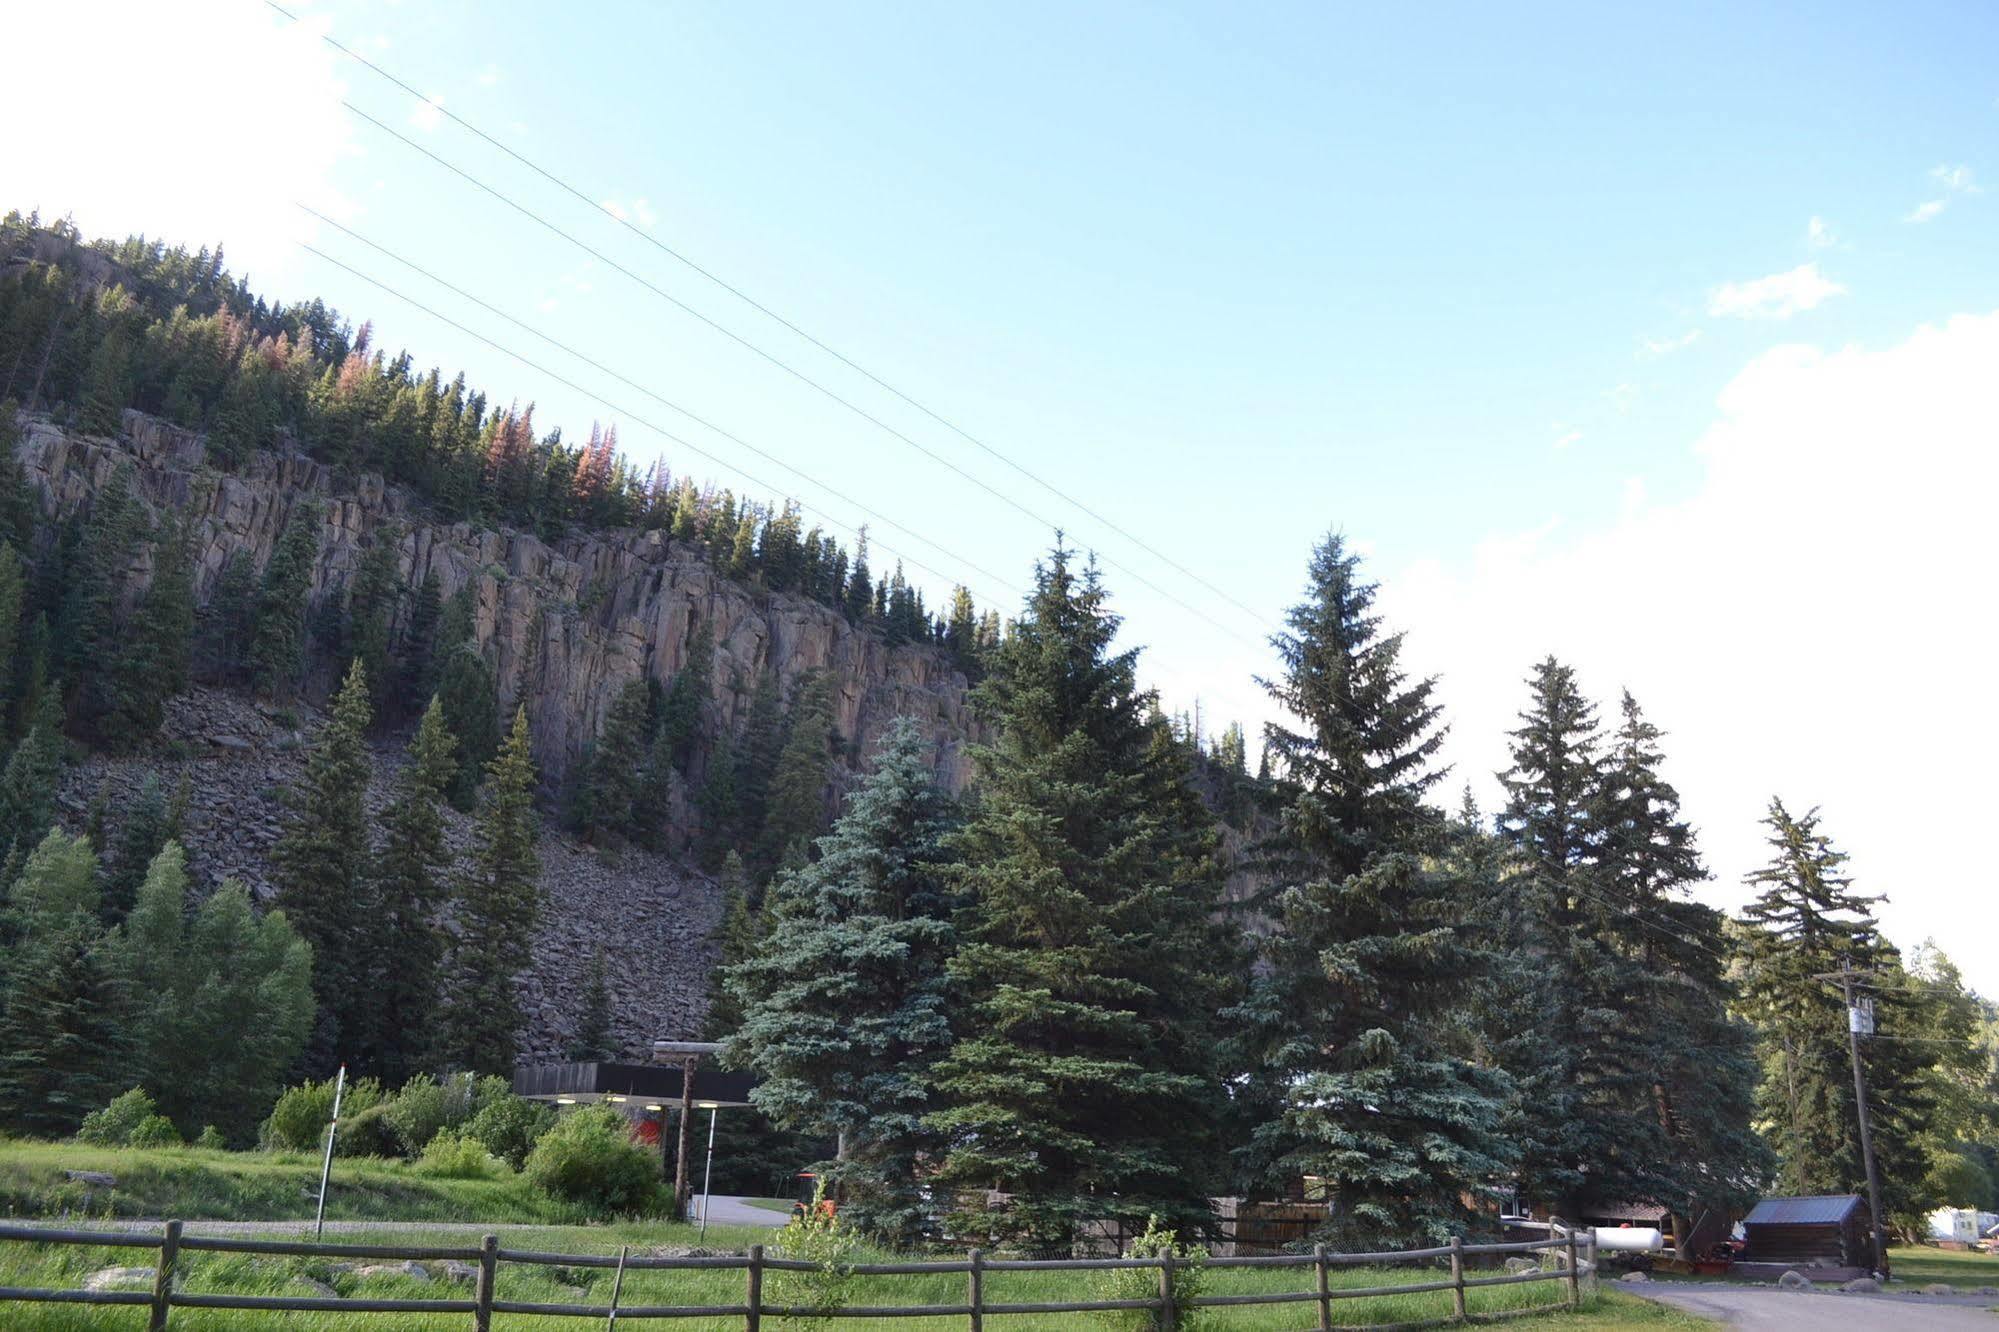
{"x": 1573, "y": 1250}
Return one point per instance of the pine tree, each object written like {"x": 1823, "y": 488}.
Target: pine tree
{"x": 860, "y": 590}
{"x": 469, "y": 699}
{"x": 61, "y": 1048}
{"x": 87, "y": 632}
{"x": 154, "y": 664}
{"x": 320, "y": 865}
{"x": 1088, "y": 1086}
{"x": 764, "y": 735}
{"x": 744, "y": 920}
{"x": 217, "y": 1003}
{"x": 277, "y": 649}
{"x": 371, "y": 606}
{"x": 1375, "y": 950}
{"x": 1587, "y": 1122}
{"x": 614, "y": 779}
{"x": 845, "y": 999}
{"x": 13, "y": 590}
{"x": 28, "y": 782}
{"x": 150, "y": 823}
{"x": 795, "y": 801}
{"x": 409, "y": 890}
{"x": 593, "y": 1031}
{"x": 419, "y": 668}
{"x": 1676, "y": 951}
{"x": 680, "y": 714}
{"x": 1808, "y": 921}
{"x": 230, "y": 618}
{"x": 497, "y": 910}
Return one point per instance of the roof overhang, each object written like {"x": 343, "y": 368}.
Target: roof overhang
{"x": 646, "y": 1086}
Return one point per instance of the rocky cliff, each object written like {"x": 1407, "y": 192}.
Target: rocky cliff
{"x": 565, "y": 625}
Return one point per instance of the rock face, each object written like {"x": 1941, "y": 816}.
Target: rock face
{"x": 565, "y": 627}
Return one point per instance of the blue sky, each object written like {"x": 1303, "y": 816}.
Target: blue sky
{"x": 1526, "y": 302}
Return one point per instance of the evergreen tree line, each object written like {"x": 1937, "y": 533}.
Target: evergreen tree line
{"x": 1028, "y": 1010}
{"x": 176, "y": 335}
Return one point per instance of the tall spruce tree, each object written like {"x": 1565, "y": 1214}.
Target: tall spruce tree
{"x": 410, "y": 888}
{"x": 371, "y": 608}
{"x": 1807, "y": 922}
{"x": 277, "y": 647}
{"x": 613, "y": 783}
{"x": 593, "y": 1039}
{"x": 154, "y": 663}
{"x": 498, "y": 903}
{"x": 1677, "y": 953}
{"x": 320, "y": 863}
{"x": 1086, "y": 1084}
{"x": 13, "y": 592}
{"x": 28, "y": 782}
{"x": 1376, "y": 949}
{"x": 795, "y": 798}
{"x": 844, "y": 999}
{"x": 87, "y": 634}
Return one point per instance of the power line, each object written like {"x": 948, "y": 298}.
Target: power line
{"x": 779, "y": 362}
{"x": 765, "y": 310}
{"x": 606, "y": 403}
{"x": 668, "y": 403}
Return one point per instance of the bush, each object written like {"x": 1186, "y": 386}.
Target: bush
{"x": 298, "y": 1121}
{"x": 509, "y": 1126}
{"x": 113, "y": 1125}
{"x": 817, "y": 1236}
{"x": 1140, "y": 1283}
{"x": 155, "y": 1131}
{"x": 369, "y": 1133}
{"x": 426, "y": 1107}
{"x": 589, "y": 1159}
{"x": 211, "y": 1139}
{"x": 451, "y": 1157}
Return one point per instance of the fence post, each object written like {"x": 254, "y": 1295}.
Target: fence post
{"x": 1458, "y": 1277}
{"x": 1169, "y": 1317}
{"x": 753, "y": 1318}
{"x": 1575, "y": 1277}
{"x": 489, "y": 1264}
{"x": 1325, "y": 1288}
{"x": 163, "y": 1278}
{"x": 975, "y": 1288}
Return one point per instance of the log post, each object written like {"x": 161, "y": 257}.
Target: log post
{"x": 163, "y": 1278}
{"x": 1169, "y": 1317}
{"x": 1458, "y": 1277}
{"x": 1325, "y": 1288}
{"x": 753, "y": 1316}
{"x": 975, "y": 1290}
{"x": 1575, "y": 1277}
{"x": 489, "y": 1265}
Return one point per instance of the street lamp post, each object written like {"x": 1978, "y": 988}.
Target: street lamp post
{"x": 688, "y": 1054}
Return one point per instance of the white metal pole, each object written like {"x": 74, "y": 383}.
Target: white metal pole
{"x": 326, "y": 1166}
{"x": 708, "y": 1170}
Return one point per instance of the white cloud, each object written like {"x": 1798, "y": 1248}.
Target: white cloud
{"x": 1954, "y": 180}
{"x": 1811, "y": 622}
{"x": 1820, "y": 235}
{"x": 1656, "y": 347}
{"x": 1778, "y": 296}
{"x": 429, "y": 113}
{"x": 88, "y": 159}
{"x": 1566, "y": 435}
{"x": 616, "y": 209}
{"x": 639, "y": 211}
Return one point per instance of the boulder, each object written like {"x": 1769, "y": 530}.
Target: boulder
{"x": 457, "y": 1271}
{"x": 97, "y": 1179}
{"x": 1862, "y": 1286}
{"x": 417, "y": 1270}
{"x": 1634, "y": 1277}
{"x": 1518, "y": 1265}
{"x": 1795, "y": 1280}
{"x": 1939, "y": 1288}
{"x": 120, "y": 1278}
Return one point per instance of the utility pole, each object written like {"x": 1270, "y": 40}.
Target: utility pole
{"x": 687, "y": 1054}
{"x": 1856, "y": 1018}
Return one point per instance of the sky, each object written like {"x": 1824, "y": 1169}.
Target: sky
{"x": 1662, "y": 339}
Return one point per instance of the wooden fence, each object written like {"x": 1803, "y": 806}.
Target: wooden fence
{"x": 1575, "y": 1260}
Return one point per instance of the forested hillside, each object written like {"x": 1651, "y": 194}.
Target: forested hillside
{"x": 371, "y": 726}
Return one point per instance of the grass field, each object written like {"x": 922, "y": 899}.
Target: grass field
{"x": 49, "y": 1266}
{"x": 252, "y": 1186}
{"x": 1921, "y": 1266}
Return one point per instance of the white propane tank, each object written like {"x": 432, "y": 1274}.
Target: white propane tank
{"x": 1629, "y": 1239}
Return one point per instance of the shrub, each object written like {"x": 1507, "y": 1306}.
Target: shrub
{"x": 1141, "y": 1283}
{"x": 426, "y": 1107}
{"x": 112, "y": 1126}
{"x": 509, "y": 1126}
{"x": 817, "y": 1236}
{"x": 589, "y": 1158}
{"x": 211, "y": 1138}
{"x": 369, "y": 1133}
{"x": 450, "y": 1156}
{"x": 155, "y": 1131}
{"x": 298, "y": 1121}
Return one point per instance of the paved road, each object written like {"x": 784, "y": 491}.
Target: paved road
{"x": 1771, "y": 1309}
{"x": 728, "y": 1211}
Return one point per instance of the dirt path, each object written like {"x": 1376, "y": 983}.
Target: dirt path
{"x": 1771, "y": 1309}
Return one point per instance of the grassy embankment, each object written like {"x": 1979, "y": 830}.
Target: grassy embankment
{"x": 1920, "y": 1266}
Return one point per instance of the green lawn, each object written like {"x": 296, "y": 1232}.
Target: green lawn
{"x": 34, "y": 1265}
{"x": 252, "y": 1186}
{"x": 1919, "y": 1266}
{"x": 770, "y": 1204}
